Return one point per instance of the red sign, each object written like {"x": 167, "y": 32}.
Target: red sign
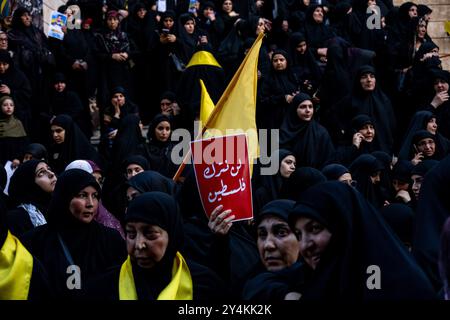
{"x": 222, "y": 172}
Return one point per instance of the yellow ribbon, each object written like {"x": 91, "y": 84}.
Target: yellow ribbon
{"x": 16, "y": 267}
{"x": 179, "y": 288}
{"x": 203, "y": 58}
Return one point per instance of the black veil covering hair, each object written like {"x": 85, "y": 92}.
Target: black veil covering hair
{"x": 433, "y": 208}
{"x": 360, "y": 239}
{"x": 93, "y": 247}
{"x": 301, "y": 180}
{"x": 148, "y": 181}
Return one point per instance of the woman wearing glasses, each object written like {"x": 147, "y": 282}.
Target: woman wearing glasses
{"x": 30, "y": 191}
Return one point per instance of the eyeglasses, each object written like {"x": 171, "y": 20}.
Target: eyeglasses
{"x": 3, "y": 39}
{"x": 43, "y": 172}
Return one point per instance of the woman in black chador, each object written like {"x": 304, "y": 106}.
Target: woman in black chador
{"x": 73, "y": 238}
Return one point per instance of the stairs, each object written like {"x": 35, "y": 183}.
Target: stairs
{"x": 440, "y": 14}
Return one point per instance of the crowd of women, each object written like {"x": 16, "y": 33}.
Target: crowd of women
{"x": 358, "y": 209}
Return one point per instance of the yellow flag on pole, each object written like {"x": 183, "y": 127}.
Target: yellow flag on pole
{"x": 206, "y": 104}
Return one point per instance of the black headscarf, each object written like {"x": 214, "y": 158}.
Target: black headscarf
{"x": 75, "y": 146}
{"x": 361, "y": 170}
{"x": 308, "y": 140}
{"x": 37, "y": 150}
{"x": 433, "y": 209}
{"x": 358, "y": 232}
{"x": 148, "y": 181}
{"x": 278, "y": 208}
{"x": 23, "y": 188}
{"x": 301, "y": 180}
{"x": 423, "y": 167}
{"x": 160, "y": 209}
{"x": 400, "y": 218}
{"x": 334, "y": 171}
{"x": 316, "y": 33}
{"x": 135, "y": 159}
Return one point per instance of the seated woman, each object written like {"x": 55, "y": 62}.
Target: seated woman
{"x": 30, "y": 190}
{"x": 72, "y": 239}
{"x": 278, "y": 248}
{"x": 69, "y": 144}
{"x": 155, "y": 268}
{"x": 306, "y": 138}
{"x": 13, "y": 137}
{"x": 346, "y": 244}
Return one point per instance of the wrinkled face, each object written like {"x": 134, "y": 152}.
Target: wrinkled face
{"x": 141, "y": 13}
{"x": 59, "y": 86}
{"x": 301, "y": 47}
{"x": 133, "y": 169}
{"x": 261, "y": 28}
{"x": 132, "y": 193}
{"x": 400, "y": 185}
{"x": 168, "y": 23}
{"x": 427, "y": 147}
{"x": 227, "y": 6}
{"x": 318, "y": 15}
{"x": 112, "y": 23}
{"x": 375, "y": 177}
{"x": 412, "y": 12}
{"x": 368, "y": 81}
{"x": 162, "y": 131}
{"x": 422, "y": 29}
{"x": 146, "y": 243}
{"x": 287, "y": 166}
{"x": 189, "y": 26}
{"x": 118, "y": 98}
{"x": 432, "y": 126}
{"x": 58, "y": 134}
{"x": 44, "y": 177}
{"x": 305, "y": 110}
{"x": 417, "y": 183}
{"x": 26, "y": 19}
{"x": 4, "y": 66}
{"x": 279, "y": 62}
{"x": 85, "y": 204}
{"x": 277, "y": 245}
{"x": 8, "y": 107}
{"x": 440, "y": 85}
{"x": 314, "y": 239}
{"x": 368, "y": 132}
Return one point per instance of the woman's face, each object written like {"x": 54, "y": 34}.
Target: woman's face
{"x": 318, "y": 15}
{"x": 58, "y": 134}
{"x": 132, "y": 193}
{"x": 287, "y": 166}
{"x": 371, "y": 3}
{"x": 399, "y": 185}
{"x": 146, "y": 243}
{"x": 368, "y": 132}
{"x": 277, "y": 245}
{"x": 98, "y": 177}
{"x": 368, "y": 81}
{"x": 413, "y": 12}
{"x": 26, "y": 19}
{"x": 133, "y": 169}
{"x": 141, "y": 13}
{"x": 189, "y": 26}
{"x": 279, "y": 62}
{"x": 168, "y": 23}
{"x": 427, "y": 146}
{"x": 162, "y": 131}
{"x": 347, "y": 179}
{"x": 44, "y": 177}
{"x": 432, "y": 126}
{"x": 375, "y": 177}
{"x": 59, "y": 86}
{"x": 305, "y": 110}
{"x": 422, "y": 29}
{"x": 261, "y": 28}
{"x": 301, "y": 47}
{"x": 112, "y": 23}
{"x": 118, "y": 98}
{"x": 8, "y": 107}
{"x": 227, "y": 6}
{"x": 440, "y": 85}
{"x": 85, "y": 204}
{"x": 417, "y": 184}
{"x": 314, "y": 239}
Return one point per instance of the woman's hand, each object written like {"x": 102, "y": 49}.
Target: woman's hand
{"x": 357, "y": 139}
{"x": 417, "y": 158}
{"x": 439, "y": 99}
{"x": 220, "y": 221}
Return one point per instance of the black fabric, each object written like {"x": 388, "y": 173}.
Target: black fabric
{"x": 75, "y": 146}
{"x": 37, "y": 150}
{"x": 152, "y": 181}
{"x": 93, "y": 247}
{"x": 277, "y": 208}
{"x": 316, "y": 33}
{"x": 402, "y": 171}
{"x": 135, "y": 159}
{"x": 302, "y": 179}
{"x": 308, "y": 140}
{"x": 358, "y": 232}
{"x": 334, "y": 171}
{"x": 361, "y": 169}
{"x": 400, "y": 219}
{"x": 423, "y": 167}
{"x": 433, "y": 209}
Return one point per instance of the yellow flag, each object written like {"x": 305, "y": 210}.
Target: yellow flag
{"x": 236, "y": 109}
{"x": 206, "y": 104}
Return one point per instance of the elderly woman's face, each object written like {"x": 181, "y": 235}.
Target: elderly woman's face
{"x": 277, "y": 245}
{"x": 279, "y": 62}
{"x": 146, "y": 243}
{"x": 85, "y": 204}
{"x": 314, "y": 239}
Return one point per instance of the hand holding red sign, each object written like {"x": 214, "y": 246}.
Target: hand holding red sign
{"x": 222, "y": 172}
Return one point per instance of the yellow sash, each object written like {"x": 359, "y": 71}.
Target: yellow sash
{"x": 203, "y": 58}
{"x": 16, "y": 267}
{"x": 179, "y": 288}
